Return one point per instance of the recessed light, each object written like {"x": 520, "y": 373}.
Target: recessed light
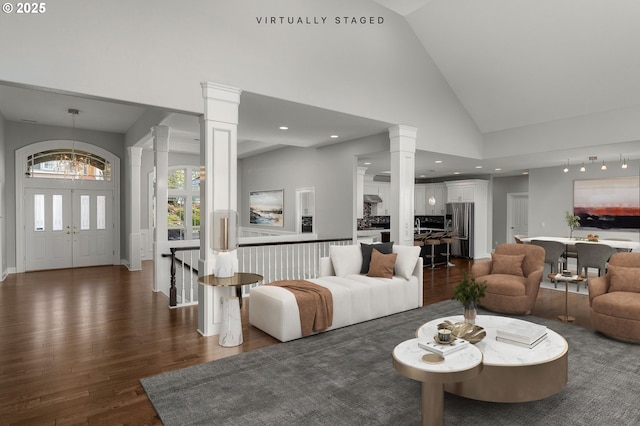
{"x": 456, "y": 173}
{"x": 497, "y": 169}
{"x": 334, "y": 136}
{"x": 478, "y": 167}
{"x": 283, "y": 128}
{"x": 438, "y": 161}
{"x": 368, "y": 163}
{"x": 423, "y": 175}
{"x": 525, "y": 173}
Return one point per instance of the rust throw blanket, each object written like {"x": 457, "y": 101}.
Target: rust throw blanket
{"x": 315, "y": 304}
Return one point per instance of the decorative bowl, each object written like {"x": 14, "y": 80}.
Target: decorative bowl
{"x": 461, "y": 330}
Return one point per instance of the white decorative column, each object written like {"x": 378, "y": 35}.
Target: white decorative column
{"x": 403, "y": 159}
{"x": 218, "y": 190}
{"x": 135, "y": 256}
{"x": 161, "y": 193}
{"x": 360, "y": 171}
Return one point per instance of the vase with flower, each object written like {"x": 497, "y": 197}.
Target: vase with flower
{"x": 469, "y": 292}
{"x": 572, "y": 221}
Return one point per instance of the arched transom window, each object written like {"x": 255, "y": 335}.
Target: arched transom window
{"x": 67, "y": 163}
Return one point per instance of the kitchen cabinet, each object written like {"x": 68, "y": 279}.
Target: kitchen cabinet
{"x": 423, "y": 192}
{"x": 384, "y": 191}
{"x": 462, "y": 191}
{"x": 439, "y": 192}
{"x": 419, "y": 199}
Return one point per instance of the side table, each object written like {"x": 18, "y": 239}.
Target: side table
{"x": 434, "y": 371}
{"x": 231, "y": 329}
{"x": 566, "y": 279}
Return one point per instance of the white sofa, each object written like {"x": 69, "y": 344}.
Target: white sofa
{"x": 356, "y": 297}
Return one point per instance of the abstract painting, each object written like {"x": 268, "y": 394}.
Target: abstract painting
{"x": 266, "y": 207}
{"x": 612, "y": 203}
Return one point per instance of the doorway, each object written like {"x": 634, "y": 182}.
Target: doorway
{"x": 67, "y": 228}
{"x": 66, "y": 222}
{"x": 517, "y": 215}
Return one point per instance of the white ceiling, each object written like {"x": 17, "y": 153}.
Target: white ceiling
{"x": 510, "y": 63}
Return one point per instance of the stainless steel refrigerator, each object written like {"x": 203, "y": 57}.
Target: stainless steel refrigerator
{"x": 461, "y": 216}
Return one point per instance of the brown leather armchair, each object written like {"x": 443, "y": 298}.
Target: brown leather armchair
{"x": 614, "y": 298}
{"x": 513, "y": 277}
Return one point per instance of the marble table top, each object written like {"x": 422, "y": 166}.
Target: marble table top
{"x": 500, "y": 353}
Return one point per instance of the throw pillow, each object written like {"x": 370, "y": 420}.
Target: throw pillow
{"x": 381, "y": 264}
{"x": 346, "y": 260}
{"x": 406, "y": 261}
{"x": 384, "y": 248}
{"x": 509, "y": 264}
{"x": 623, "y": 278}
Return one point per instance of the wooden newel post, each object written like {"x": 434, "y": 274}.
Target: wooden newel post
{"x": 173, "y": 292}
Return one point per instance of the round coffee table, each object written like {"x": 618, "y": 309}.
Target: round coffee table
{"x": 434, "y": 371}
{"x": 510, "y": 373}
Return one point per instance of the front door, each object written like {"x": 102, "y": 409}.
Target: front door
{"x": 68, "y": 228}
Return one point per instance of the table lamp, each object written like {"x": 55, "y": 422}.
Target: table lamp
{"x": 224, "y": 241}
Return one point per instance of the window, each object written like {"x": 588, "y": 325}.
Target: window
{"x": 183, "y": 204}
{"x": 68, "y": 164}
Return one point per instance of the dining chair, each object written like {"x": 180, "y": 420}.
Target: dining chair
{"x": 518, "y": 239}
{"x": 553, "y": 254}
{"x": 592, "y": 255}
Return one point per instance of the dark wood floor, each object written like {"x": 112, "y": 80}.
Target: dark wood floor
{"x": 75, "y": 343}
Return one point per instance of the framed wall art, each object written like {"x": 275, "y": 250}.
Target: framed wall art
{"x": 267, "y": 207}
{"x": 611, "y": 203}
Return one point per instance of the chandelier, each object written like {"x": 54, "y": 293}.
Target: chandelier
{"x": 73, "y": 165}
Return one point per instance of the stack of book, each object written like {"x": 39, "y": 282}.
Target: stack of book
{"x": 443, "y": 350}
{"x": 521, "y": 333}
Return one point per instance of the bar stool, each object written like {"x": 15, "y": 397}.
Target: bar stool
{"x": 448, "y": 240}
{"x": 433, "y": 241}
{"x": 419, "y": 240}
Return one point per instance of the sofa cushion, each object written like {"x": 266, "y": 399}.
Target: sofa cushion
{"x": 504, "y": 284}
{"x": 346, "y": 259}
{"x": 623, "y": 278}
{"x": 384, "y": 248}
{"x": 509, "y": 264}
{"x": 407, "y": 259}
{"x": 618, "y": 304}
{"x": 381, "y": 264}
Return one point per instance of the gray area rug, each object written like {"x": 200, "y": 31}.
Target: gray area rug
{"x": 346, "y": 377}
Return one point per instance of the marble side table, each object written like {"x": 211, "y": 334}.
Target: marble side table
{"x": 231, "y": 329}
{"x": 434, "y": 371}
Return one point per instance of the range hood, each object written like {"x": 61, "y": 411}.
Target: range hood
{"x": 372, "y": 198}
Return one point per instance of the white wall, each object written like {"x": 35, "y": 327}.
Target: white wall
{"x": 154, "y": 53}
{"x": 18, "y": 135}
{"x": 610, "y": 127}
{"x": 551, "y": 195}
{"x": 330, "y": 170}
{"x": 502, "y": 186}
{"x": 3, "y": 203}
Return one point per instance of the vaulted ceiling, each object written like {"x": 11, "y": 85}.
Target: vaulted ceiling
{"x": 512, "y": 64}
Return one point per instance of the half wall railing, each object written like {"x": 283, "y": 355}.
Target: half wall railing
{"x": 275, "y": 261}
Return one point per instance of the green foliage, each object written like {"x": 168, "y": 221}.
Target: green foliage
{"x": 469, "y": 291}
{"x": 572, "y": 220}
